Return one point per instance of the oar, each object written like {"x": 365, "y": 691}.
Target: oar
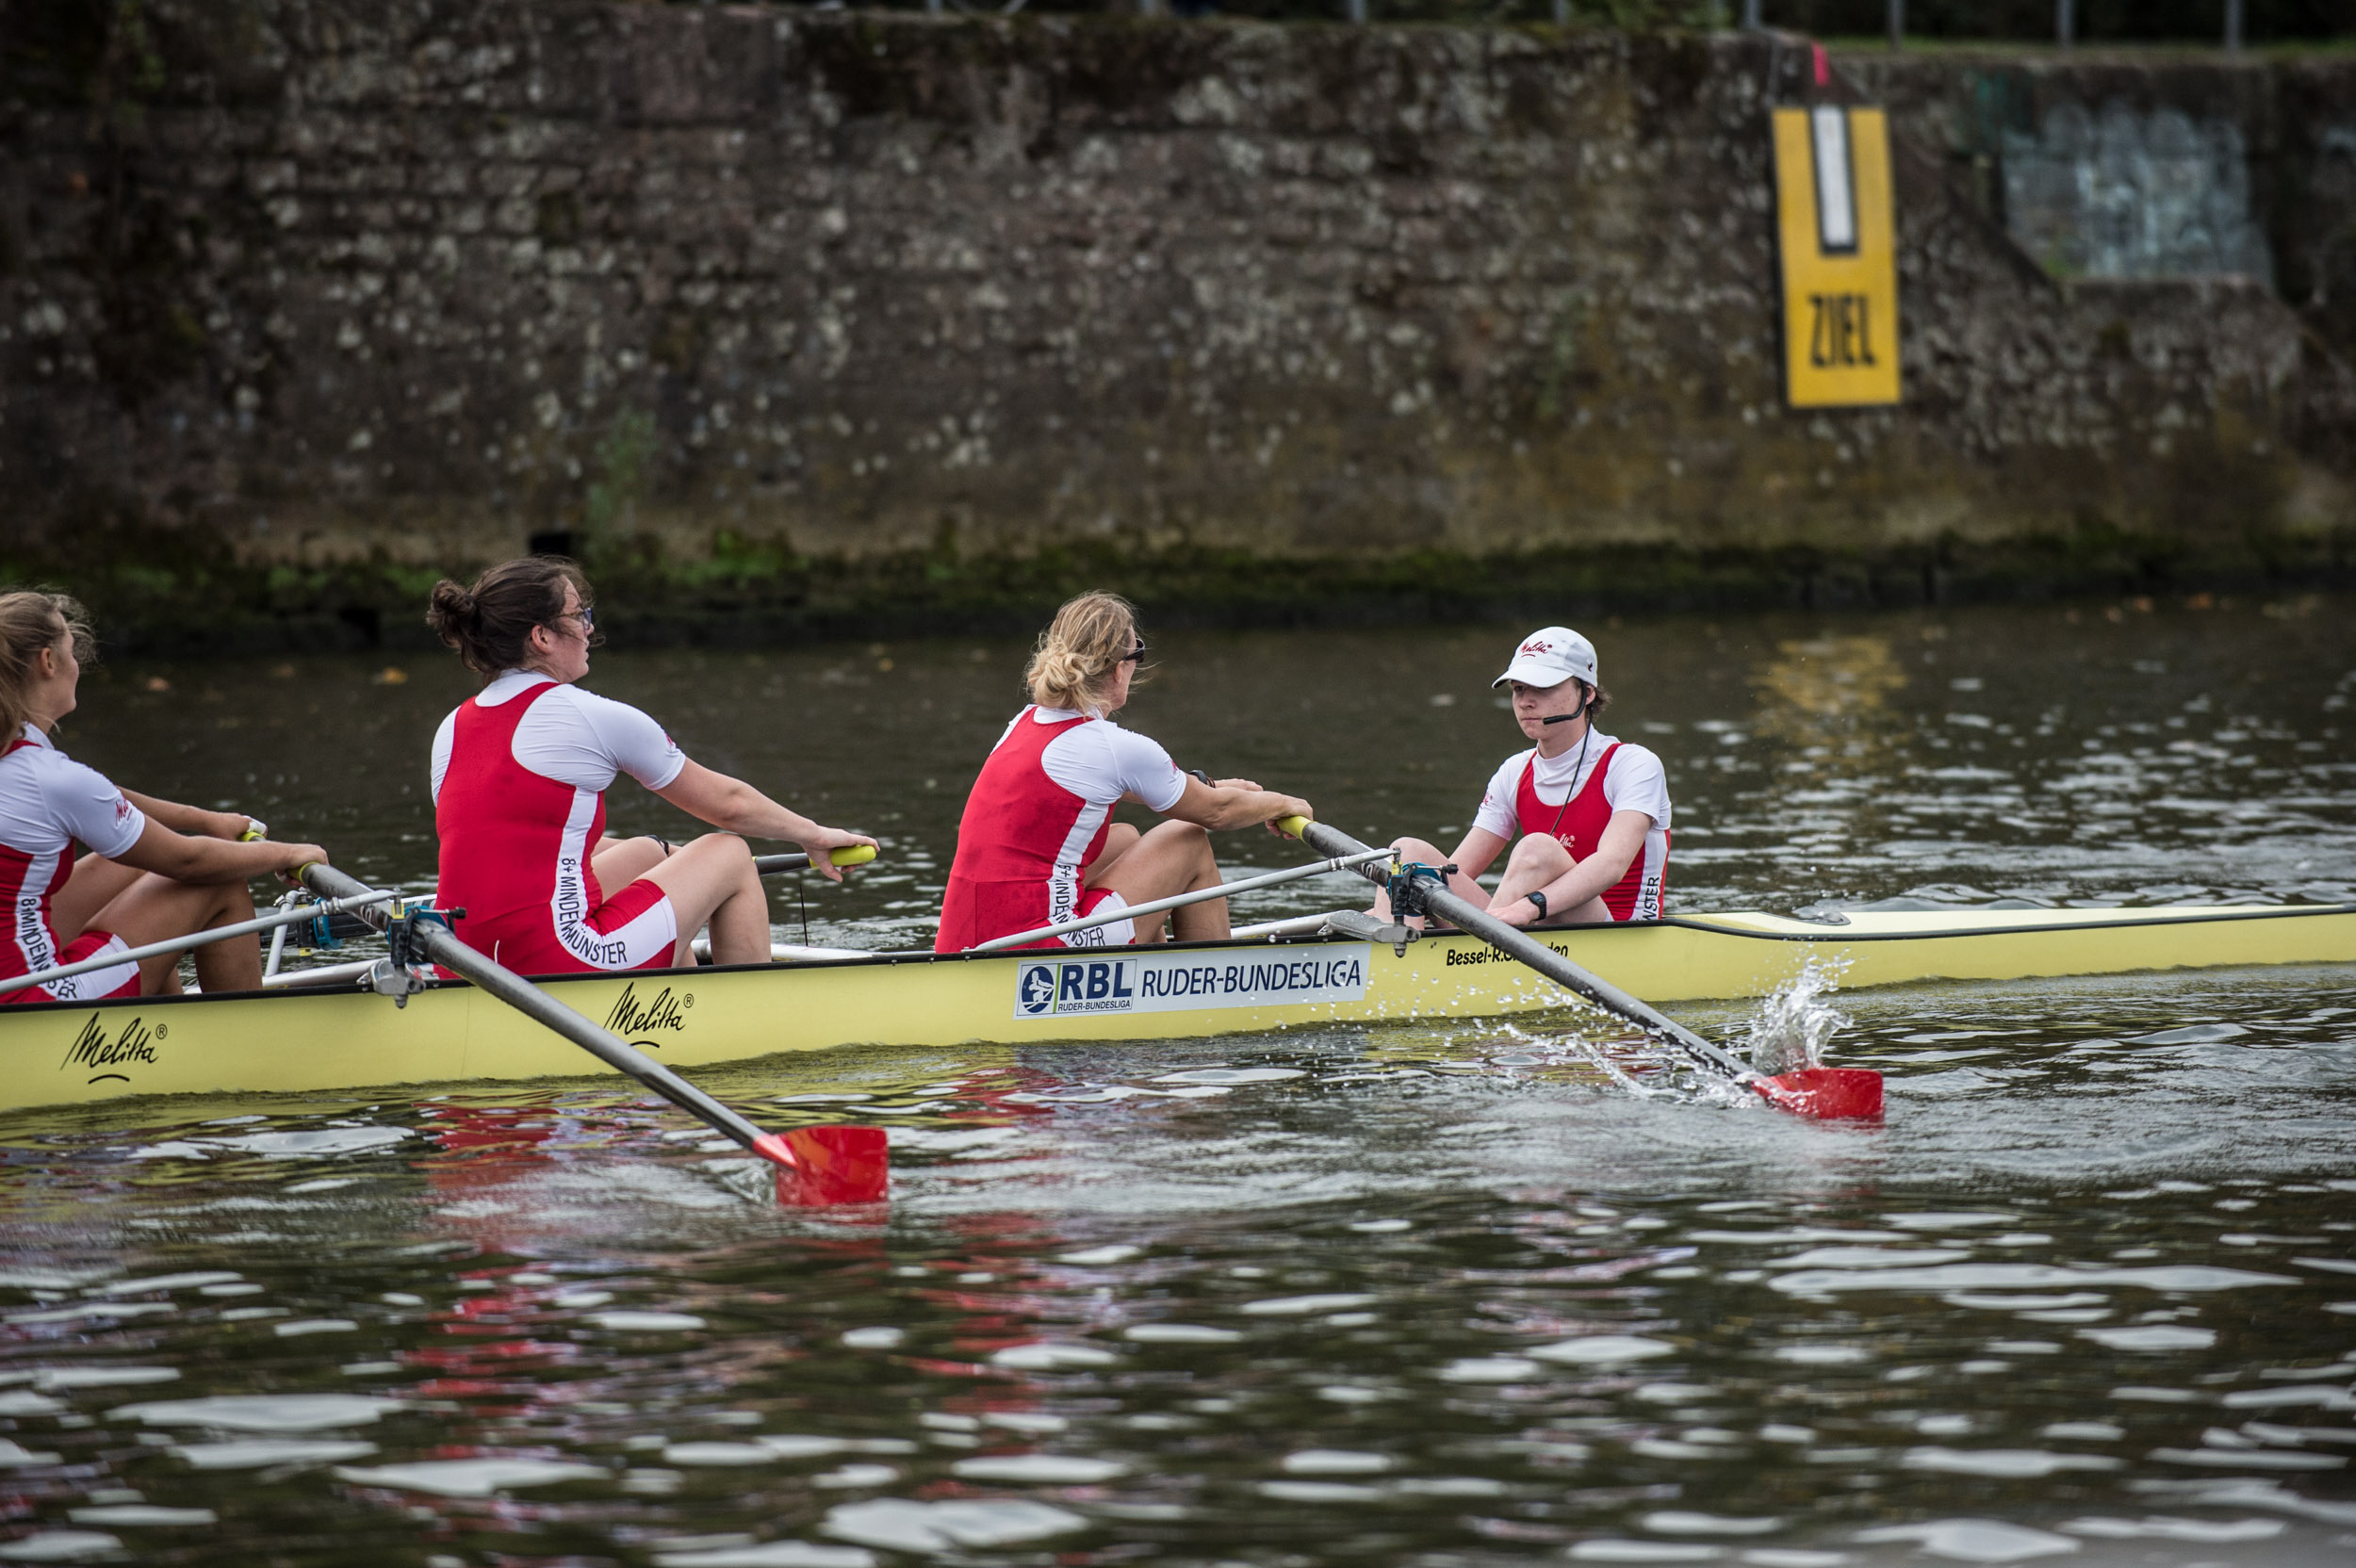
{"x": 195, "y": 939}
{"x": 1826, "y": 1092}
{"x": 776, "y": 865}
{"x": 1178, "y": 901}
{"x": 816, "y": 1165}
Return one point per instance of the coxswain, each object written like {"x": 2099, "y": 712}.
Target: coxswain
{"x": 1037, "y": 845}
{"x": 1590, "y": 811}
{"x": 520, "y": 776}
{"x": 154, "y": 870}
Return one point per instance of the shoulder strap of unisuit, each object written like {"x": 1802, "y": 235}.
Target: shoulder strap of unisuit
{"x": 1603, "y": 765}
{"x": 514, "y": 707}
{"x": 536, "y": 694}
{"x": 1571, "y": 792}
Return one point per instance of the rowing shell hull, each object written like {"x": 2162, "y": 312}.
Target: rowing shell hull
{"x": 301, "y": 1040}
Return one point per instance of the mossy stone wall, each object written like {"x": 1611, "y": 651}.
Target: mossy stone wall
{"x": 797, "y": 320}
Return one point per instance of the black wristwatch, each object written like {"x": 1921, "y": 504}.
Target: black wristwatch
{"x": 1204, "y": 776}
{"x": 1540, "y": 900}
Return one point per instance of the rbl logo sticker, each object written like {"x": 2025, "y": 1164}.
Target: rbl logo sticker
{"x": 1154, "y": 983}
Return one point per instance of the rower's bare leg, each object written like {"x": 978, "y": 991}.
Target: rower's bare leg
{"x": 96, "y": 882}
{"x": 1119, "y": 840}
{"x": 713, "y": 880}
{"x": 155, "y": 908}
{"x": 1420, "y": 852}
{"x": 618, "y": 862}
{"x": 1537, "y": 860}
{"x": 1176, "y": 858}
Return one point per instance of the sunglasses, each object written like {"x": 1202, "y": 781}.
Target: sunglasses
{"x": 1134, "y": 655}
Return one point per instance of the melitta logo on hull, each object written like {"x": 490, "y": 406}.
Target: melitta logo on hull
{"x": 1170, "y": 982}
{"x": 631, "y": 1016}
{"x": 91, "y": 1047}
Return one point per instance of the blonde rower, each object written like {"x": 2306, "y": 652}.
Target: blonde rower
{"x": 156, "y": 870}
{"x": 1037, "y": 845}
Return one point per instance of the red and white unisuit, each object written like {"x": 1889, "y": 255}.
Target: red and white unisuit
{"x": 1572, "y": 801}
{"x": 1038, "y": 818}
{"x": 519, "y": 780}
{"x": 47, "y": 801}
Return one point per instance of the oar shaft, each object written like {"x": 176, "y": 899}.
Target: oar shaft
{"x": 1519, "y": 944}
{"x": 444, "y": 948}
{"x": 1179, "y": 901}
{"x": 195, "y": 939}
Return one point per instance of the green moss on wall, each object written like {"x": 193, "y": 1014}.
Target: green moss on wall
{"x": 161, "y": 597}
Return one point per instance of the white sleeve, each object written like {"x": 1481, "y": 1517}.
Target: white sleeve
{"x": 639, "y": 746}
{"x": 1100, "y": 762}
{"x": 444, "y": 739}
{"x": 1146, "y": 771}
{"x": 1498, "y": 813}
{"x": 581, "y": 739}
{"x": 88, "y": 805}
{"x": 1637, "y": 782}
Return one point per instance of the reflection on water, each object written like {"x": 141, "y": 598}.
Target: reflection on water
{"x": 1412, "y": 1294}
{"x": 1829, "y": 697}
{"x": 1458, "y": 1294}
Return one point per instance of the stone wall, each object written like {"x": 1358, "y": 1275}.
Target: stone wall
{"x": 2118, "y": 166}
{"x": 745, "y": 295}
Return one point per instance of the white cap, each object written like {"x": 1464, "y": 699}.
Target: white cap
{"x": 1550, "y": 656}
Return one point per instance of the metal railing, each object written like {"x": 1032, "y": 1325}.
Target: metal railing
{"x": 2064, "y": 22}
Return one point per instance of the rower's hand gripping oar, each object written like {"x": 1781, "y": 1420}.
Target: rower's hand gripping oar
{"x": 1825, "y": 1093}
{"x": 816, "y": 1165}
{"x": 777, "y": 865}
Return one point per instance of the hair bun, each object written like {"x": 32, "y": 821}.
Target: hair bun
{"x": 1088, "y": 639}
{"x": 490, "y": 624}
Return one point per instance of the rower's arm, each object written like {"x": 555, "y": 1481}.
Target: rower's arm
{"x": 195, "y": 857}
{"x": 1230, "y": 804}
{"x": 189, "y": 819}
{"x": 1476, "y": 853}
{"x": 1623, "y": 839}
{"x": 732, "y": 804}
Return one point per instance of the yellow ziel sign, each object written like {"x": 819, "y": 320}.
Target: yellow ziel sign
{"x": 1838, "y": 246}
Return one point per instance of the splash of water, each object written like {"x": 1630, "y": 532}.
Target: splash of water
{"x": 1789, "y": 1031}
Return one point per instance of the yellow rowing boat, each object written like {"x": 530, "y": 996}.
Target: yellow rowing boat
{"x": 300, "y": 1038}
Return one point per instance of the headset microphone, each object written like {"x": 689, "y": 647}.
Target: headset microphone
{"x": 1581, "y": 711}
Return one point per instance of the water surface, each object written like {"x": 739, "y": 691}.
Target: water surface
{"x": 1430, "y": 1295}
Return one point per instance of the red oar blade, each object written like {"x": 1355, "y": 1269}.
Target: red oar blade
{"x": 820, "y": 1165}
{"x": 1826, "y": 1093}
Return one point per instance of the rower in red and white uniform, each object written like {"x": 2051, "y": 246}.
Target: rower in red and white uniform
{"x": 1590, "y": 811}
{"x": 154, "y": 870}
{"x": 1037, "y": 845}
{"x": 520, "y": 776}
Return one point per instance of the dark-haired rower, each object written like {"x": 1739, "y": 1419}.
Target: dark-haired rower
{"x": 520, "y": 773}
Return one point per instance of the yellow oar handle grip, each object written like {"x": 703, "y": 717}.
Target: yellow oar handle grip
{"x": 852, "y": 855}
{"x": 1292, "y": 827}
{"x": 255, "y": 832}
